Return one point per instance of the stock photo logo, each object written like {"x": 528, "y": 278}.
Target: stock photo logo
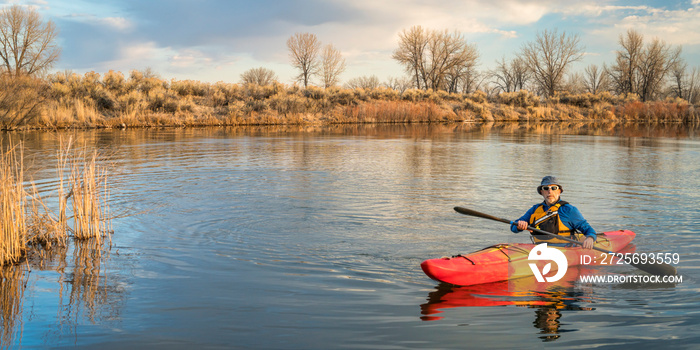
{"x": 542, "y": 252}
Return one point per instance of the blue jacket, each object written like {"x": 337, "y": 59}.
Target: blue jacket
{"x": 569, "y": 216}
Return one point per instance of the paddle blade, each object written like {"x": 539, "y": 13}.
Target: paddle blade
{"x": 466, "y": 211}
{"x": 657, "y": 269}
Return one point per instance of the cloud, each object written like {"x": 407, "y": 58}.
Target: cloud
{"x": 677, "y": 27}
{"x": 261, "y": 28}
{"x": 189, "y": 58}
{"x": 142, "y": 51}
{"x": 178, "y": 35}
{"x": 594, "y": 10}
{"x": 119, "y": 23}
{"x": 187, "y": 38}
{"x": 450, "y": 12}
{"x": 522, "y": 12}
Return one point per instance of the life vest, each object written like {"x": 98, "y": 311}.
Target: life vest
{"x": 549, "y": 221}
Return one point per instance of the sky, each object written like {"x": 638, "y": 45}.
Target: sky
{"x": 217, "y": 40}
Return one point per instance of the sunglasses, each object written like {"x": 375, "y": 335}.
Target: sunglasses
{"x": 553, "y": 188}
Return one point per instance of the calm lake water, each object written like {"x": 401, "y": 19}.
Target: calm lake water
{"x": 311, "y": 238}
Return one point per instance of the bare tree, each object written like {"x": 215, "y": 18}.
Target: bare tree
{"x": 656, "y": 63}
{"x": 470, "y": 81}
{"x": 259, "y": 76}
{"x": 522, "y": 75}
{"x": 692, "y": 83}
{"x": 575, "y": 83}
{"x": 549, "y": 57}
{"x": 437, "y": 60}
{"x": 595, "y": 79}
{"x": 364, "y": 82}
{"x": 303, "y": 51}
{"x": 400, "y": 84}
{"x": 502, "y": 76}
{"x": 677, "y": 77}
{"x": 412, "y": 46}
{"x": 332, "y": 65}
{"x": 449, "y": 56}
{"x": 510, "y": 76}
{"x": 27, "y": 44}
{"x": 685, "y": 84}
{"x": 623, "y": 72}
{"x": 463, "y": 77}
{"x": 642, "y": 69}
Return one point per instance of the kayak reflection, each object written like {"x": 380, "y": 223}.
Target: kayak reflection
{"x": 548, "y": 299}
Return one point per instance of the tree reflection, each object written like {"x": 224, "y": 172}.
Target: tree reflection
{"x": 106, "y": 141}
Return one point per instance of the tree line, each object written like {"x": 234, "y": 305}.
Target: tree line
{"x": 651, "y": 70}
{"x": 438, "y": 60}
{"x": 441, "y": 60}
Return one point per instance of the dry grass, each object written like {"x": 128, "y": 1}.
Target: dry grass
{"x": 13, "y": 222}
{"x": 30, "y": 229}
{"x": 381, "y": 111}
{"x": 88, "y": 184}
{"x": 141, "y": 99}
{"x": 27, "y": 220}
{"x": 44, "y": 229}
{"x": 658, "y": 111}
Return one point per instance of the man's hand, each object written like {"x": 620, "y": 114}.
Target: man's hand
{"x": 588, "y": 242}
{"x": 521, "y": 225}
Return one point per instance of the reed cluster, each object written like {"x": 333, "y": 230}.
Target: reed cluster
{"x": 88, "y": 193}
{"x": 69, "y": 100}
{"x": 28, "y": 221}
{"x": 13, "y": 205}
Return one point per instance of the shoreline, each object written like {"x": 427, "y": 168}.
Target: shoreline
{"x": 70, "y": 101}
{"x": 162, "y": 120}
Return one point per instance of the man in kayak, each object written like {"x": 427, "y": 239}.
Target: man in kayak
{"x": 556, "y": 216}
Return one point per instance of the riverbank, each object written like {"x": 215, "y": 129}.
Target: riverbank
{"x": 65, "y": 101}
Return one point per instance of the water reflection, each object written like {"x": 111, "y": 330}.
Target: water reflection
{"x": 12, "y": 285}
{"x": 348, "y": 209}
{"x": 103, "y": 140}
{"x": 81, "y": 289}
{"x": 547, "y": 299}
{"x": 88, "y": 288}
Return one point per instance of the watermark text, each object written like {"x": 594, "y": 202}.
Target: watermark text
{"x": 630, "y": 279}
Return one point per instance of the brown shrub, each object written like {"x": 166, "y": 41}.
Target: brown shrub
{"x": 343, "y": 97}
{"x": 114, "y": 82}
{"x": 20, "y": 100}
{"x": 189, "y": 87}
{"x": 521, "y": 98}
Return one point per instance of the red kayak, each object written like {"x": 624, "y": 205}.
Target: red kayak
{"x": 509, "y": 261}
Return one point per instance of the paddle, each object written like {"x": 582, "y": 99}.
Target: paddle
{"x": 660, "y": 269}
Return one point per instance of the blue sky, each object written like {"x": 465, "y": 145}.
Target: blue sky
{"x": 217, "y": 40}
